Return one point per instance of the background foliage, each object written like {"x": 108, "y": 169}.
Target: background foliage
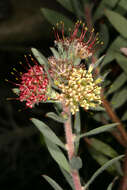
{"x": 24, "y": 157}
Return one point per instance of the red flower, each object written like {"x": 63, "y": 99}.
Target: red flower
{"x": 84, "y": 45}
{"x": 33, "y": 86}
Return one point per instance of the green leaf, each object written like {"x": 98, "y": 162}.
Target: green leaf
{"x": 113, "y": 50}
{"x": 99, "y": 61}
{"x": 101, "y": 169}
{"x": 57, "y": 154}
{"x": 99, "y": 116}
{"x": 119, "y": 98}
{"x": 42, "y": 60}
{"x": 119, "y": 81}
{"x": 77, "y": 123}
{"x": 98, "y": 130}
{"x": 54, "y": 17}
{"x": 124, "y": 117}
{"x": 103, "y": 148}
{"x": 55, "y": 117}
{"x": 122, "y": 7}
{"x": 104, "y": 37}
{"x": 118, "y": 21}
{"x": 68, "y": 177}
{"x": 104, "y": 4}
{"x": 47, "y": 132}
{"x": 66, "y": 4}
{"x": 55, "y": 53}
{"x": 52, "y": 183}
{"x": 122, "y": 61}
{"x": 110, "y": 186}
{"x": 76, "y": 163}
{"x": 98, "y": 108}
{"x": 77, "y": 9}
{"x": 77, "y": 129}
{"x": 39, "y": 56}
{"x": 102, "y": 159}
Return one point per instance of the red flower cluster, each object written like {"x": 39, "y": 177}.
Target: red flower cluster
{"x": 33, "y": 86}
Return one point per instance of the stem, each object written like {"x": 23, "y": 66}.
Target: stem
{"x": 115, "y": 119}
{"x": 70, "y": 148}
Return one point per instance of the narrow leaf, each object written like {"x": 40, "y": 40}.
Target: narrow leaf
{"x": 101, "y": 169}
{"x": 52, "y": 183}
{"x": 57, "y": 154}
{"x": 119, "y": 81}
{"x": 66, "y": 4}
{"x": 39, "y": 56}
{"x": 42, "y": 60}
{"x": 121, "y": 7}
{"x": 98, "y": 108}
{"x": 55, "y": 53}
{"x": 98, "y": 130}
{"x": 104, "y": 4}
{"x": 103, "y": 148}
{"x": 99, "y": 61}
{"x": 77, "y": 129}
{"x": 113, "y": 50}
{"x": 55, "y": 117}
{"x": 119, "y": 98}
{"x": 104, "y": 31}
{"x": 118, "y": 21}
{"x": 54, "y": 17}
{"x": 68, "y": 178}
{"x": 122, "y": 61}
{"x": 77, "y": 123}
{"x": 110, "y": 186}
{"x": 47, "y": 132}
{"x": 124, "y": 117}
{"x": 103, "y": 159}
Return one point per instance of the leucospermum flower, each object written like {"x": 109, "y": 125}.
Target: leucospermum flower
{"x": 81, "y": 90}
{"x": 32, "y": 86}
{"x": 78, "y": 86}
{"x": 83, "y": 46}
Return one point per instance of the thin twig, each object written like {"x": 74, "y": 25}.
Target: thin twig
{"x": 115, "y": 119}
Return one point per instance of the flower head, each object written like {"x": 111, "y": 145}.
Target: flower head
{"x": 32, "y": 86}
{"x": 84, "y": 46}
{"x": 60, "y": 68}
{"x": 80, "y": 90}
